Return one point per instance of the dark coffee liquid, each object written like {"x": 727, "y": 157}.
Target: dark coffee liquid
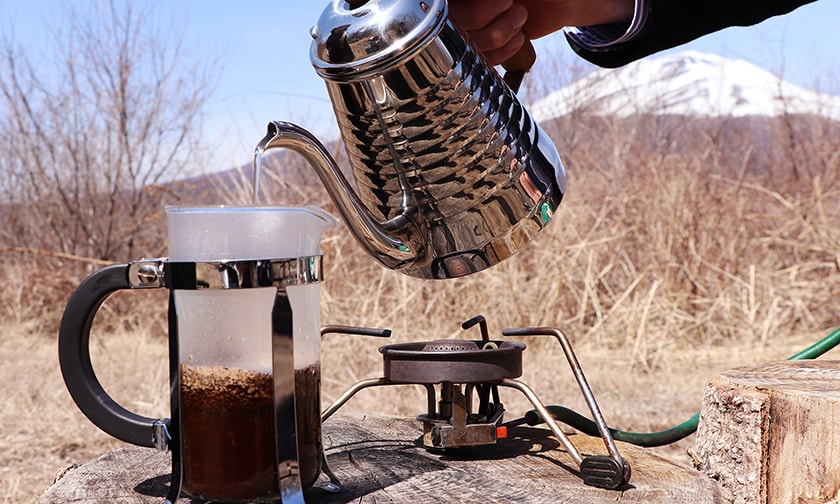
{"x": 227, "y": 429}
{"x": 308, "y": 412}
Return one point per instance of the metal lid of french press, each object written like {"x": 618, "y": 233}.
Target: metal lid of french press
{"x": 356, "y": 38}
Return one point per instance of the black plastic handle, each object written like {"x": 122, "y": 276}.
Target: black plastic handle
{"x": 76, "y": 367}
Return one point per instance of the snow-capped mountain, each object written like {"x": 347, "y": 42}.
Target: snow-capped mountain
{"x": 687, "y": 83}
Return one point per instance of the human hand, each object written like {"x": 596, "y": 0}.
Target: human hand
{"x": 494, "y": 26}
{"x": 498, "y": 28}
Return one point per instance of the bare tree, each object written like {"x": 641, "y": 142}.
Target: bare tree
{"x": 89, "y": 135}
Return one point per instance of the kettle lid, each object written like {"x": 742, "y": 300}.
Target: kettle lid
{"x": 355, "y": 38}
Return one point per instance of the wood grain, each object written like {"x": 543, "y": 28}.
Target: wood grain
{"x": 379, "y": 460}
{"x": 771, "y": 433}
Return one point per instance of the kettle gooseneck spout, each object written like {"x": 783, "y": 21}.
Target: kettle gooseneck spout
{"x": 389, "y": 241}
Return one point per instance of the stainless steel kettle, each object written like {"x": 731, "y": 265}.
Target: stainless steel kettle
{"x": 452, "y": 174}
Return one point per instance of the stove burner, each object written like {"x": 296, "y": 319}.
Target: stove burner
{"x": 468, "y": 368}
{"x": 449, "y": 345}
{"x": 454, "y": 361}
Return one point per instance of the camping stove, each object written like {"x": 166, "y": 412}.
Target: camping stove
{"x": 467, "y": 412}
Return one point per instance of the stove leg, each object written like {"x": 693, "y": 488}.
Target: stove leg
{"x": 374, "y": 382}
{"x": 605, "y": 472}
{"x": 546, "y": 416}
{"x": 343, "y": 398}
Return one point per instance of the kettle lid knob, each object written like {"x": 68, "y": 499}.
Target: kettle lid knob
{"x": 354, "y": 39}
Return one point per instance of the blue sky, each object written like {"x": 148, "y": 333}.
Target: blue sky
{"x": 264, "y": 46}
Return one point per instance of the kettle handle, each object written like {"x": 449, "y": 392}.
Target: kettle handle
{"x": 518, "y": 65}
{"x": 76, "y": 367}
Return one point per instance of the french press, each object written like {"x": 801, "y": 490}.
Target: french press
{"x": 244, "y": 351}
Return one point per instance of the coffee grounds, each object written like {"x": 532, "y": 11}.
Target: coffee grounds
{"x": 227, "y": 429}
{"x": 227, "y": 425}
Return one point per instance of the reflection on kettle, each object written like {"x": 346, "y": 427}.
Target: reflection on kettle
{"x": 452, "y": 174}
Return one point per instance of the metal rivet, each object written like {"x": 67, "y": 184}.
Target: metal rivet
{"x": 148, "y": 274}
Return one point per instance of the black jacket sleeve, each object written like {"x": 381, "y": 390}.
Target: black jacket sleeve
{"x": 674, "y": 22}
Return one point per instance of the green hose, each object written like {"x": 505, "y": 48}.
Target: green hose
{"x": 667, "y": 436}
{"x": 820, "y": 347}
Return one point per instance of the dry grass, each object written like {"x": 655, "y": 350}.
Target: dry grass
{"x": 662, "y": 275}
{"x": 43, "y": 431}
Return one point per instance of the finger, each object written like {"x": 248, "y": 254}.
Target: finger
{"x": 501, "y": 31}
{"x": 473, "y": 15}
{"x": 497, "y": 56}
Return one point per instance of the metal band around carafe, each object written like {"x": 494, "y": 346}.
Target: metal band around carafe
{"x": 154, "y": 273}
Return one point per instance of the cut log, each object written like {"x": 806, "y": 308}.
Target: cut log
{"x": 770, "y": 433}
{"x": 380, "y": 459}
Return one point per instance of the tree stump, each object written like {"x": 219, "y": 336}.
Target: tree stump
{"x": 380, "y": 459}
{"x": 770, "y": 433}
